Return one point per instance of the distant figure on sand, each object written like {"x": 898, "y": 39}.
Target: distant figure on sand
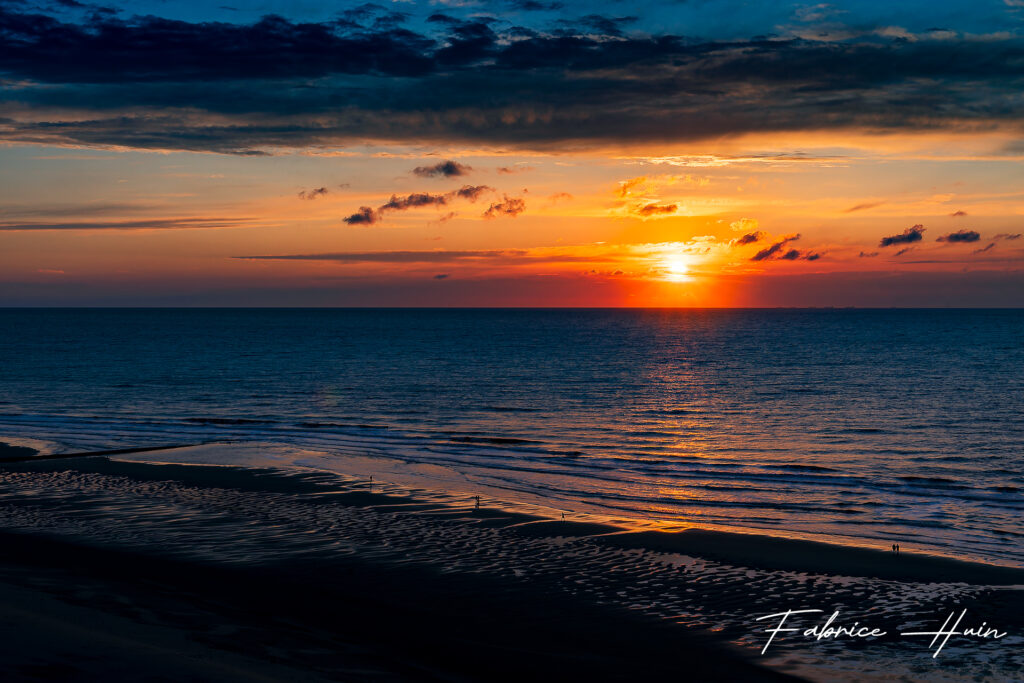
{"x": 894, "y": 547}
{"x": 897, "y": 548}
{"x": 477, "y": 498}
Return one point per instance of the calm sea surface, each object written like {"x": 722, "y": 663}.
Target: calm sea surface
{"x": 865, "y": 427}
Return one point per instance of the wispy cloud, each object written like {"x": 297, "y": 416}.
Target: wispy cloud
{"x": 775, "y": 249}
{"x": 368, "y": 216}
{"x": 313, "y": 194}
{"x": 188, "y": 223}
{"x": 863, "y": 207}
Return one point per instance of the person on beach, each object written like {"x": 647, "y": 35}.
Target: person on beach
{"x": 477, "y": 498}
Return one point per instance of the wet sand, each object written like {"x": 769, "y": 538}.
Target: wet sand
{"x": 230, "y": 573}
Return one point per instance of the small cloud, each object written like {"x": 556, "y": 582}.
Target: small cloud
{"x": 364, "y": 216}
{"x": 510, "y": 206}
{"x": 958, "y": 214}
{"x": 313, "y": 194}
{"x": 443, "y": 169}
{"x": 901, "y": 252}
{"x": 626, "y": 187}
{"x": 508, "y": 170}
{"x": 750, "y": 238}
{"x": 908, "y": 236}
{"x": 862, "y": 207}
{"x": 812, "y": 256}
{"x": 442, "y": 276}
{"x": 412, "y": 201}
{"x": 560, "y": 196}
{"x": 655, "y": 210}
{"x": 865, "y": 254}
{"x": 960, "y": 236}
{"x": 470, "y": 192}
{"x": 1008, "y": 236}
{"x": 983, "y": 250}
{"x": 50, "y": 271}
{"x": 745, "y": 225}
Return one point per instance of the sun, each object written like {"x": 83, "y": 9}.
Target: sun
{"x": 677, "y": 268}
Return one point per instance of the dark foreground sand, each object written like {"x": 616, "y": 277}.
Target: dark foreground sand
{"x": 70, "y": 612}
{"x": 115, "y": 570}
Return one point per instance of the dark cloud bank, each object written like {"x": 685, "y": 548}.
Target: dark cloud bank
{"x": 152, "y": 83}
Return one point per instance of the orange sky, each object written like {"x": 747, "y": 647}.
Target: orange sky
{"x": 598, "y": 227}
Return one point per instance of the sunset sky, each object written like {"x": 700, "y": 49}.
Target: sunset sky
{"x": 512, "y": 153}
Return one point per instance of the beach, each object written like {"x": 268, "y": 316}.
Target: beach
{"x": 195, "y": 571}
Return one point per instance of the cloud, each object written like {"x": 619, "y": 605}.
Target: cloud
{"x": 369, "y": 216}
{"x": 791, "y": 255}
{"x": 863, "y": 207}
{"x": 655, "y": 209}
{"x": 1008, "y": 236}
{"x": 364, "y": 216}
{"x": 559, "y": 197}
{"x": 392, "y": 256}
{"x": 313, "y": 194}
{"x": 145, "y": 82}
{"x": 984, "y": 249}
{"x": 594, "y": 24}
{"x": 903, "y": 251}
{"x": 413, "y": 201}
{"x": 865, "y": 254}
{"x": 750, "y": 238}
{"x": 535, "y": 6}
{"x": 745, "y": 225}
{"x": 813, "y": 256}
{"x": 509, "y": 206}
{"x": 445, "y": 169}
{"x": 507, "y": 170}
{"x": 470, "y": 192}
{"x": 147, "y": 224}
{"x": 960, "y": 236}
{"x": 908, "y": 236}
{"x": 462, "y": 257}
{"x": 769, "y": 252}
{"x": 442, "y": 276}
{"x": 958, "y": 214}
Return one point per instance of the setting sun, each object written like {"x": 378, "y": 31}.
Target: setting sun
{"x": 678, "y": 268}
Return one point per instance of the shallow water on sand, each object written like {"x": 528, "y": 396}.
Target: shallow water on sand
{"x": 863, "y": 427}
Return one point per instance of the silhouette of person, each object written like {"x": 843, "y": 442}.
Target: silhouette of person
{"x": 477, "y": 498}
{"x": 894, "y": 547}
{"x": 897, "y": 548}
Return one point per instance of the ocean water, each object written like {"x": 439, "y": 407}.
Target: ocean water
{"x": 863, "y": 427}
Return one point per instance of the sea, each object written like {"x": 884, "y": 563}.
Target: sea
{"x": 857, "y": 427}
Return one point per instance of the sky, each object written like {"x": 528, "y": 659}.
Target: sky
{"x": 691, "y": 153}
